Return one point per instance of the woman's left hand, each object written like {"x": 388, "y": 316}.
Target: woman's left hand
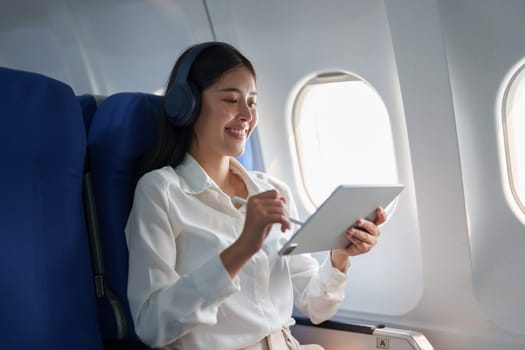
{"x": 363, "y": 236}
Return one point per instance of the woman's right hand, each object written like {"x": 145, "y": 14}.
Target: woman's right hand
{"x": 262, "y": 211}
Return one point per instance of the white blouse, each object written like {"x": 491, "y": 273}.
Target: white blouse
{"x": 180, "y": 294}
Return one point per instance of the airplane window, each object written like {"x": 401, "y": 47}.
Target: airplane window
{"x": 343, "y": 135}
{"x": 513, "y": 131}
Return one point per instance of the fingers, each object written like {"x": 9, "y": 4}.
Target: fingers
{"x": 380, "y": 216}
{"x": 362, "y": 242}
{"x": 357, "y": 236}
{"x": 271, "y": 194}
{"x": 279, "y": 216}
{"x": 363, "y": 235}
{"x": 368, "y": 226}
{"x": 268, "y": 208}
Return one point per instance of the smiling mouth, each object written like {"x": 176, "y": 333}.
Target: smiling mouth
{"x": 238, "y": 132}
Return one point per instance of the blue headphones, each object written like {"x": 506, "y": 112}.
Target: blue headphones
{"x": 183, "y": 99}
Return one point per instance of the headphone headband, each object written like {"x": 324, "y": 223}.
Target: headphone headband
{"x": 184, "y": 68}
{"x": 181, "y": 99}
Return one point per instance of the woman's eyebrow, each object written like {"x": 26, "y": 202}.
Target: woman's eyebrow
{"x": 232, "y": 89}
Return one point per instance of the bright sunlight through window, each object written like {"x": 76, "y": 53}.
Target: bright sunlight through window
{"x": 514, "y": 130}
{"x": 343, "y": 135}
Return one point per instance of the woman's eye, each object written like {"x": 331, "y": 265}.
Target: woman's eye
{"x": 253, "y": 104}
{"x": 231, "y": 100}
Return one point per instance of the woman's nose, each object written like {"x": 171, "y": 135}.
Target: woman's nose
{"x": 245, "y": 111}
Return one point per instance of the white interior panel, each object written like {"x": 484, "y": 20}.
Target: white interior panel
{"x": 101, "y": 46}
{"x": 288, "y": 46}
{"x": 484, "y": 43}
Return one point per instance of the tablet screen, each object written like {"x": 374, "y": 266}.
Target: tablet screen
{"x": 326, "y": 228}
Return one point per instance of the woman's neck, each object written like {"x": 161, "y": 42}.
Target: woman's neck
{"x": 218, "y": 169}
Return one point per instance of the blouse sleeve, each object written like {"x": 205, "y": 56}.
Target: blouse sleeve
{"x": 165, "y": 305}
{"x": 318, "y": 289}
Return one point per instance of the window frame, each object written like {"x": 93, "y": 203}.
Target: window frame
{"x": 318, "y": 79}
{"x": 507, "y": 138}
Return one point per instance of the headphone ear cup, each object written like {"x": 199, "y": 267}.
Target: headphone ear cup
{"x": 180, "y": 104}
{"x": 196, "y": 109}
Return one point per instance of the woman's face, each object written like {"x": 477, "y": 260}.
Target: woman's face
{"x": 228, "y": 115}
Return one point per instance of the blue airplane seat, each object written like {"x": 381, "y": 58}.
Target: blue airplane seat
{"x": 122, "y": 131}
{"x": 89, "y": 104}
{"x": 47, "y": 298}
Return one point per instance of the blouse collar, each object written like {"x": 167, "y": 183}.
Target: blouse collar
{"x": 195, "y": 179}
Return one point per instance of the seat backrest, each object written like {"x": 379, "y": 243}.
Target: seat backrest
{"x": 122, "y": 131}
{"x": 47, "y": 299}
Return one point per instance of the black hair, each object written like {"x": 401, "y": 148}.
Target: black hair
{"x": 173, "y": 142}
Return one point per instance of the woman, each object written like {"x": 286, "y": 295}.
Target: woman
{"x": 204, "y": 272}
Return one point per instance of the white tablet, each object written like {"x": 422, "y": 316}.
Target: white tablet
{"x": 326, "y": 228}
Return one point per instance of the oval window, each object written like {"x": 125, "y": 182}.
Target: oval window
{"x": 343, "y": 135}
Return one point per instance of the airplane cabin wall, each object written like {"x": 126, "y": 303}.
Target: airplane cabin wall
{"x": 484, "y": 41}
{"x": 398, "y": 46}
{"x": 100, "y": 46}
{"x": 453, "y": 58}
